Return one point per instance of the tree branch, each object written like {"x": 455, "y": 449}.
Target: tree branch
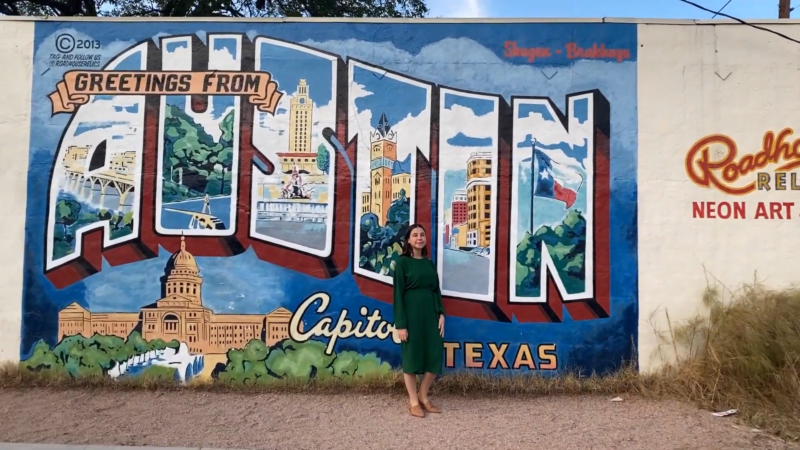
{"x": 9, "y": 9}
{"x": 215, "y": 8}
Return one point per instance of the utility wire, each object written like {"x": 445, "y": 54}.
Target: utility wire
{"x": 720, "y": 10}
{"x": 741, "y": 21}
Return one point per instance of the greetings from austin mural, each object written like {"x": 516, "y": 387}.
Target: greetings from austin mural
{"x": 229, "y": 201}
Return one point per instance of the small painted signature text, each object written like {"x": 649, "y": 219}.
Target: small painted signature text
{"x": 570, "y": 50}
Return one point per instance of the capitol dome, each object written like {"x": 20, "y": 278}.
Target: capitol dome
{"x": 183, "y": 260}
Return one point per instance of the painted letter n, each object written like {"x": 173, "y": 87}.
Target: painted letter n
{"x": 594, "y": 302}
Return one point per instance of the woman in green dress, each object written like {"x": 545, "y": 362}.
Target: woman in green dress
{"x": 419, "y": 319}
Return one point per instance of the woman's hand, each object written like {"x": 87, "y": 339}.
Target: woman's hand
{"x": 441, "y": 324}
{"x": 403, "y": 334}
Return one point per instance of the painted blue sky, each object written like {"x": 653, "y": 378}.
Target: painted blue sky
{"x": 85, "y": 127}
{"x": 171, "y": 47}
{"x": 288, "y": 66}
{"x": 479, "y": 106}
{"x": 217, "y": 104}
{"x": 222, "y": 288}
{"x": 462, "y": 140}
{"x": 581, "y": 110}
{"x": 132, "y": 62}
{"x": 222, "y": 103}
{"x": 526, "y": 108}
{"x": 390, "y": 96}
{"x": 578, "y": 152}
{"x": 226, "y": 44}
{"x": 469, "y": 137}
{"x": 672, "y": 9}
{"x": 581, "y": 113}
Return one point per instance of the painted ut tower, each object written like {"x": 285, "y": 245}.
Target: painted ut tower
{"x": 300, "y": 120}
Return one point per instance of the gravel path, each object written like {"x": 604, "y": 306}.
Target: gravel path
{"x": 299, "y": 422}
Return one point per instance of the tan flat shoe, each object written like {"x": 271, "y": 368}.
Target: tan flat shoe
{"x": 430, "y": 408}
{"x": 416, "y": 411}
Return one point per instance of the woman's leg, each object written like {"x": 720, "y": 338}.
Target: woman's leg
{"x": 425, "y": 386}
{"x": 411, "y": 386}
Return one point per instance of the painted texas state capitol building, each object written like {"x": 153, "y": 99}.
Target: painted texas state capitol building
{"x": 180, "y": 315}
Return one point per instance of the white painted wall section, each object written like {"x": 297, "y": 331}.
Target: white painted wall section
{"x": 696, "y": 81}
{"x": 16, "y": 58}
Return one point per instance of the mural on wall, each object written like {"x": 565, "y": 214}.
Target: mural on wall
{"x": 229, "y": 202}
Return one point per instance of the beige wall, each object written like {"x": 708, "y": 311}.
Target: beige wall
{"x": 694, "y": 81}
{"x": 16, "y": 52}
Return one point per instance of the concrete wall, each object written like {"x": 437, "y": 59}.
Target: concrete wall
{"x": 16, "y": 44}
{"x": 696, "y": 82}
{"x": 193, "y": 188}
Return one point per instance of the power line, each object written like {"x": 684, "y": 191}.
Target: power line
{"x": 720, "y": 10}
{"x": 742, "y": 21}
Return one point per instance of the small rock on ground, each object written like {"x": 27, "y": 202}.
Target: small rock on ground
{"x": 347, "y": 421}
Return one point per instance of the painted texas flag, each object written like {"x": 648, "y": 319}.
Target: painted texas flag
{"x": 549, "y": 183}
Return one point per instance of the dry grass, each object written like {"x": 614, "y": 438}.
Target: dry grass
{"x": 743, "y": 354}
{"x": 627, "y": 380}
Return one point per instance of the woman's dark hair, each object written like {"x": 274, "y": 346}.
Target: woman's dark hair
{"x": 408, "y": 250}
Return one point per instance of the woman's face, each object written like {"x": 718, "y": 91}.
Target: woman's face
{"x": 417, "y": 238}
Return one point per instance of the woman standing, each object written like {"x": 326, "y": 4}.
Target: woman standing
{"x": 419, "y": 319}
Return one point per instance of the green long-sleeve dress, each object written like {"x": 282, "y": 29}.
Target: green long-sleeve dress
{"x": 417, "y": 306}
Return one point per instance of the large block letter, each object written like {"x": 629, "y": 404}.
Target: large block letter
{"x": 93, "y": 201}
{"x": 559, "y": 208}
{"x": 468, "y": 159}
{"x": 298, "y": 188}
{"x": 292, "y": 197}
{"x": 389, "y": 120}
{"x": 198, "y": 153}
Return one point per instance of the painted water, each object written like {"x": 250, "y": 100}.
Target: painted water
{"x": 187, "y": 366}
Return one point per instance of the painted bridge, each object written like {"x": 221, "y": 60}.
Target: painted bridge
{"x": 82, "y": 184}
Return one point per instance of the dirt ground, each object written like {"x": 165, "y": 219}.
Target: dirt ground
{"x": 299, "y": 422}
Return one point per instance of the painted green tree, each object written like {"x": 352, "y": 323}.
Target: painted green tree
{"x": 95, "y": 356}
{"x": 247, "y": 365}
{"x": 382, "y": 245}
{"x": 120, "y": 223}
{"x": 323, "y": 159}
{"x": 71, "y": 215}
{"x": 566, "y": 244}
{"x": 300, "y": 361}
{"x": 353, "y": 364}
{"x": 194, "y": 163}
{"x": 67, "y": 213}
{"x": 42, "y": 359}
